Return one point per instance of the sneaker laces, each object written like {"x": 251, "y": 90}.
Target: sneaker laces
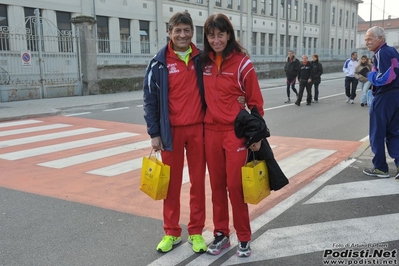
{"x": 219, "y": 237}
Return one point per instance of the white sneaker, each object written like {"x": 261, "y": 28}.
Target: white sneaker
{"x": 347, "y": 100}
{"x": 351, "y": 101}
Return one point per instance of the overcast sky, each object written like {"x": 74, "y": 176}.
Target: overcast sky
{"x": 391, "y": 8}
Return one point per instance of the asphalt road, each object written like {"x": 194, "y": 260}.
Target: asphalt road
{"x": 66, "y": 216}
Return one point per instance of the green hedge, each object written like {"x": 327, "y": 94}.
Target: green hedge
{"x": 118, "y": 85}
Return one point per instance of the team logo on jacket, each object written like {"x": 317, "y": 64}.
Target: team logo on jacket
{"x": 208, "y": 71}
{"x": 172, "y": 68}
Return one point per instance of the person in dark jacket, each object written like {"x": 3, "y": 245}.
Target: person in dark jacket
{"x": 173, "y": 83}
{"x": 305, "y": 80}
{"x": 253, "y": 128}
{"x": 317, "y": 71}
{"x": 291, "y": 69}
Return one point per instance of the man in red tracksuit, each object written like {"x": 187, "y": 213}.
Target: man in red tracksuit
{"x": 174, "y": 113}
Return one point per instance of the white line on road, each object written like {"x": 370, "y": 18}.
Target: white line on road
{"x": 64, "y": 146}
{"x": 20, "y": 141}
{"x": 355, "y": 190}
{"x": 77, "y": 114}
{"x": 95, "y": 155}
{"x": 302, "y": 160}
{"x": 115, "y": 109}
{"x": 32, "y": 129}
{"x": 18, "y": 123}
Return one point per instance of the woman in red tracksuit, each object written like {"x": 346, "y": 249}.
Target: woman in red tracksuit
{"x": 228, "y": 74}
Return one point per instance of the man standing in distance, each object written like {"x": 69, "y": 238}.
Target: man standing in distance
{"x": 384, "y": 109}
{"x": 349, "y": 70}
{"x": 172, "y": 85}
{"x": 291, "y": 69}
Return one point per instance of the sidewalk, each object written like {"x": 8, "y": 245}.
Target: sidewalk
{"x": 54, "y": 106}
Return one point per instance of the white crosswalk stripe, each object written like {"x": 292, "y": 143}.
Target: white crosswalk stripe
{"x": 69, "y": 133}
{"x": 31, "y": 129}
{"x": 18, "y": 123}
{"x": 64, "y": 146}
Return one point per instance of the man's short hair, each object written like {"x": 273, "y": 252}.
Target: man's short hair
{"x": 180, "y": 18}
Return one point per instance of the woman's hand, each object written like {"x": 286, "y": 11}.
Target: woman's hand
{"x": 256, "y": 146}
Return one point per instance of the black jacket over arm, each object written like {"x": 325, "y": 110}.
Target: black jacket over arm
{"x": 252, "y": 127}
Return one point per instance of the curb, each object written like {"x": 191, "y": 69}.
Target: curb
{"x": 360, "y": 151}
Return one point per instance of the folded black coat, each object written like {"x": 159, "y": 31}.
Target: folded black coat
{"x": 252, "y": 127}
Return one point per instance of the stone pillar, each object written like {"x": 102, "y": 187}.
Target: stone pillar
{"x": 88, "y": 51}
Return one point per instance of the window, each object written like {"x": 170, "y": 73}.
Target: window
{"x": 4, "y": 43}
{"x": 103, "y": 34}
{"x": 332, "y": 44}
{"x": 199, "y": 35}
{"x": 124, "y": 31}
{"x": 218, "y": 3}
{"x": 65, "y": 34}
{"x": 145, "y": 36}
{"x": 289, "y": 9}
{"x": 199, "y": 1}
{"x": 295, "y": 42}
{"x": 254, "y": 36}
{"x": 263, "y": 6}
{"x": 305, "y": 12}
{"x": 340, "y": 18}
{"x": 309, "y": 46}
{"x": 353, "y": 20}
{"x": 296, "y": 10}
{"x": 31, "y": 30}
{"x": 346, "y": 18}
{"x": 316, "y": 13}
{"x": 333, "y": 16}
{"x": 282, "y": 38}
{"x": 262, "y": 43}
{"x": 254, "y": 6}
{"x": 310, "y": 13}
{"x": 282, "y": 13}
{"x": 238, "y": 4}
{"x": 229, "y": 3}
{"x": 270, "y": 44}
{"x": 271, "y": 7}
{"x": 314, "y": 43}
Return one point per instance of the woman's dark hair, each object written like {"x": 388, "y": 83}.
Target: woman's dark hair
{"x": 221, "y": 22}
{"x": 316, "y": 56}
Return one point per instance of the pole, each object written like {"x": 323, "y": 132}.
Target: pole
{"x": 383, "y": 15}
{"x": 39, "y": 45}
{"x": 286, "y": 25}
{"x": 240, "y": 22}
{"x": 371, "y": 11}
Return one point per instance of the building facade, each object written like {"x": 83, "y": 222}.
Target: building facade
{"x": 52, "y": 49}
{"x": 267, "y": 28}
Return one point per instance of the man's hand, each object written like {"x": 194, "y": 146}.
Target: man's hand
{"x": 241, "y": 100}
{"x": 156, "y": 144}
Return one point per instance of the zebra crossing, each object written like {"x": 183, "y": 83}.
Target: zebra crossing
{"x": 98, "y": 163}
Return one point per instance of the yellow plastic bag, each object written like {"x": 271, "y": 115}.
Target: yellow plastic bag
{"x": 155, "y": 177}
{"x": 255, "y": 181}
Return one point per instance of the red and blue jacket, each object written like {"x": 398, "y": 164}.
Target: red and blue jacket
{"x": 173, "y": 93}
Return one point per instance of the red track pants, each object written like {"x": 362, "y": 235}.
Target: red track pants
{"x": 191, "y": 139}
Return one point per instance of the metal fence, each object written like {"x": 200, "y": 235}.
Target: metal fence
{"x": 127, "y": 52}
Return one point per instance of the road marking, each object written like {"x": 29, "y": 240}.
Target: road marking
{"x": 173, "y": 257}
{"x": 119, "y": 168}
{"x": 64, "y": 146}
{"x": 77, "y": 114}
{"x": 95, "y": 155}
{"x": 15, "y": 142}
{"x": 18, "y": 123}
{"x": 31, "y": 129}
{"x": 355, "y": 190}
{"x": 115, "y": 109}
{"x": 308, "y": 238}
{"x": 302, "y": 160}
